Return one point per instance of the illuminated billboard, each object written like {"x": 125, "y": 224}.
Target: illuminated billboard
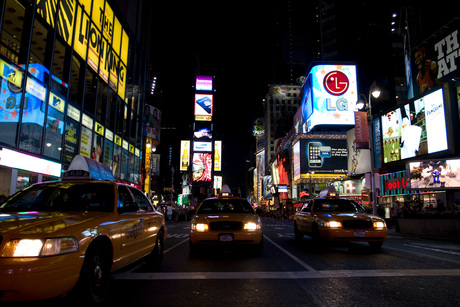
{"x": 203, "y": 83}
{"x": 217, "y": 156}
{"x": 202, "y": 167}
{"x": 434, "y": 174}
{"x": 322, "y": 156}
{"x": 202, "y": 131}
{"x": 184, "y": 154}
{"x": 329, "y": 96}
{"x": 203, "y": 107}
{"x": 417, "y": 128}
{"x": 104, "y": 37}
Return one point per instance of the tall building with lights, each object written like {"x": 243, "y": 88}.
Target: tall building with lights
{"x": 73, "y": 78}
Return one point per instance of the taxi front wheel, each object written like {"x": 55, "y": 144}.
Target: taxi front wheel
{"x": 95, "y": 276}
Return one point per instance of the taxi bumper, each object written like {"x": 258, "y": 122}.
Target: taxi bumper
{"x": 24, "y": 279}
{"x": 353, "y": 234}
{"x": 237, "y": 238}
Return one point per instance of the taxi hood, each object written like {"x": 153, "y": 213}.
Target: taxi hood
{"x": 36, "y": 223}
{"x": 219, "y": 217}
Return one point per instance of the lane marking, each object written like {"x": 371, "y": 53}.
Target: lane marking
{"x": 286, "y": 275}
{"x": 434, "y": 249}
{"x": 306, "y": 266}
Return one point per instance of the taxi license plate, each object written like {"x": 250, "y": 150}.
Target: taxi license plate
{"x": 226, "y": 237}
{"x": 360, "y": 234}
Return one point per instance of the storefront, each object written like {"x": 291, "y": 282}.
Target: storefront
{"x": 18, "y": 170}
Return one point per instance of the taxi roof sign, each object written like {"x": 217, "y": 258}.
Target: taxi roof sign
{"x": 225, "y": 191}
{"x": 328, "y": 191}
{"x": 83, "y": 167}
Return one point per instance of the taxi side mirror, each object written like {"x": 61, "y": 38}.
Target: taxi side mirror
{"x": 129, "y": 207}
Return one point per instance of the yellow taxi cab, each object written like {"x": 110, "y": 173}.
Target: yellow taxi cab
{"x": 331, "y": 218}
{"x": 67, "y": 236}
{"x": 224, "y": 221}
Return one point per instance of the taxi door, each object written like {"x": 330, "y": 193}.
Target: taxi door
{"x": 303, "y": 216}
{"x": 132, "y": 227}
{"x": 151, "y": 219}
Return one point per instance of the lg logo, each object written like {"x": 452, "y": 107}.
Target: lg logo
{"x": 336, "y": 83}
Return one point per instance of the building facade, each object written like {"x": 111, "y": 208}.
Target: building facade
{"x": 73, "y": 77}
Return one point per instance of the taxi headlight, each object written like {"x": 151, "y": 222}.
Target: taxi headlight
{"x": 39, "y": 247}
{"x": 333, "y": 224}
{"x": 200, "y": 227}
{"x": 379, "y": 224}
{"x": 251, "y": 226}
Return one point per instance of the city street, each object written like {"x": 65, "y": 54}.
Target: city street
{"x": 407, "y": 271}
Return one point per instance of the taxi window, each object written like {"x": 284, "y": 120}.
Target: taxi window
{"x": 124, "y": 196}
{"x": 62, "y": 196}
{"x": 225, "y": 206}
{"x": 338, "y": 205}
{"x": 141, "y": 200}
{"x": 306, "y": 207}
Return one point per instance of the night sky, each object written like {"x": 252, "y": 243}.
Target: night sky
{"x": 230, "y": 43}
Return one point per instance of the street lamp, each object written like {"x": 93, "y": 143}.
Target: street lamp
{"x": 375, "y": 92}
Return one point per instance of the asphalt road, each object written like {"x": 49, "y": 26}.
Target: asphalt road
{"x": 407, "y": 271}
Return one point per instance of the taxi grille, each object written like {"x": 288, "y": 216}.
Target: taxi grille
{"x": 361, "y": 224}
{"x": 226, "y": 226}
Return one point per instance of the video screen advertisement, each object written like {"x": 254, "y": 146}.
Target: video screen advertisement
{"x": 203, "y": 107}
{"x": 434, "y": 61}
{"x": 322, "y": 156}
{"x": 329, "y": 96}
{"x": 433, "y": 174}
{"x": 203, "y": 83}
{"x": 415, "y": 129}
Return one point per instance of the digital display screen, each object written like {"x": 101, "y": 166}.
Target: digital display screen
{"x": 415, "y": 129}
{"x": 329, "y": 96}
{"x": 204, "y": 83}
{"x": 434, "y": 174}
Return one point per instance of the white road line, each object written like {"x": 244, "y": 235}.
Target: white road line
{"x": 309, "y": 268}
{"x": 173, "y": 247}
{"x": 284, "y": 275}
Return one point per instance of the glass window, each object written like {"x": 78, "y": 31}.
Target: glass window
{"x": 116, "y": 161}
{"x": 108, "y": 154}
{"x": 124, "y": 164}
{"x": 12, "y": 29}
{"x": 130, "y": 176}
{"x": 63, "y": 196}
{"x": 101, "y": 102}
{"x": 90, "y": 91}
{"x": 225, "y": 206}
{"x": 53, "y": 135}
{"x": 111, "y": 107}
{"x": 86, "y": 141}
{"x": 41, "y": 42}
{"x": 97, "y": 148}
{"x": 33, "y": 116}
{"x": 10, "y": 101}
{"x": 60, "y": 73}
{"x": 75, "y": 86}
{"x": 72, "y": 131}
{"x": 124, "y": 196}
{"x": 119, "y": 117}
{"x": 141, "y": 200}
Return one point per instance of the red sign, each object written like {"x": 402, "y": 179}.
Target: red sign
{"x": 396, "y": 183}
{"x": 336, "y": 83}
{"x": 361, "y": 130}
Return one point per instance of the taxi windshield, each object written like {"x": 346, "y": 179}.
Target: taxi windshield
{"x": 62, "y": 196}
{"x": 225, "y": 206}
{"x": 337, "y": 205}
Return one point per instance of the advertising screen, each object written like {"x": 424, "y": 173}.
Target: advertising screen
{"x": 203, "y": 107}
{"x": 323, "y": 156}
{"x": 202, "y": 166}
{"x": 439, "y": 174}
{"x": 329, "y": 96}
{"x": 202, "y": 131}
{"x": 415, "y": 129}
{"x": 184, "y": 154}
{"x": 204, "y": 83}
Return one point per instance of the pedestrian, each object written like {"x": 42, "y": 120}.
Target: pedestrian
{"x": 398, "y": 209}
{"x": 440, "y": 206}
{"x": 169, "y": 211}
